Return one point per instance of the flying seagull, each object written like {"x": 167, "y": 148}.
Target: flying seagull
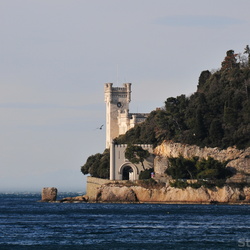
{"x": 100, "y": 127}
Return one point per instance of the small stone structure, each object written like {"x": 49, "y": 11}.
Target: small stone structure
{"x": 49, "y": 194}
{"x": 121, "y": 168}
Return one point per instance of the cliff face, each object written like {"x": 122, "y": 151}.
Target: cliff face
{"x": 118, "y": 193}
{"x": 238, "y": 160}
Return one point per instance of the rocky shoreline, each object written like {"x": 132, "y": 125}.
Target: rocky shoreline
{"x": 116, "y": 193}
{"x": 137, "y": 194}
{"x": 75, "y": 199}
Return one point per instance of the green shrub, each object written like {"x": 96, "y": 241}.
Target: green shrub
{"x": 239, "y": 185}
{"x": 219, "y": 183}
{"x": 208, "y": 184}
{"x": 195, "y": 168}
{"x": 195, "y": 185}
{"x": 179, "y": 184}
{"x": 146, "y": 174}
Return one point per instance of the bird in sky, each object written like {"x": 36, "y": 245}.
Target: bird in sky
{"x": 100, "y": 127}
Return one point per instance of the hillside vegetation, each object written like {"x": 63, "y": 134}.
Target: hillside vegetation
{"x": 216, "y": 115}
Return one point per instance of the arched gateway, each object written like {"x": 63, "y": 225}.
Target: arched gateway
{"x": 128, "y": 172}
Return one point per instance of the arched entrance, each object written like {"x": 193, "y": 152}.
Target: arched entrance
{"x": 127, "y": 173}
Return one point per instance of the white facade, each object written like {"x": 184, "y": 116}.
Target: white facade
{"x": 123, "y": 169}
{"x": 118, "y": 118}
{"x": 118, "y": 122}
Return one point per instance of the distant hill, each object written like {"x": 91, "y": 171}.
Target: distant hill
{"x": 216, "y": 115}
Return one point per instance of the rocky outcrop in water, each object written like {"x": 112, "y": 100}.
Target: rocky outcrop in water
{"x": 75, "y": 199}
{"x": 49, "y": 194}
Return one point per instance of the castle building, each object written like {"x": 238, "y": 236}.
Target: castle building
{"x": 118, "y": 122}
{"x": 118, "y": 118}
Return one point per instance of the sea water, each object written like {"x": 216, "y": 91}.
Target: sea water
{"x": 28, "y": 224}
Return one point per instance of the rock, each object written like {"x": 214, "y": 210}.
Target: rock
{"x": 112, "y": 193}
{"x": 85, "y": 198}
{"x": 49, "y": 194}
{"x": 226, "y": 194}
{"x": 76, "y": 199}
{"x": 247, "y": 193}
{"x": 242, "y": 165}
{"x": 80, "y": 198}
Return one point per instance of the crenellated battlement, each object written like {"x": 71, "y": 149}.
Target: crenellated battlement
{"x": 112, "y": 94}
{"x": 141, "y": 145}
{"x": 109, "y": 88}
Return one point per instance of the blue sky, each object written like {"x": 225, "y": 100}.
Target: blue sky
{"x": 56, "y": 56}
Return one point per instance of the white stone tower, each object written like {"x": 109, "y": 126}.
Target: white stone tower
{"x": 117, "y": 105}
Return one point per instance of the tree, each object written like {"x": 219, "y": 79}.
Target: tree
{"x": 212, "y": 169}
{"x": 247, "y": 51}
{"x": 216, "y": 115}
{"x": 97, "y": 165}
{"x": 215, "y": 131}
{"x": 229, "y": 61}
{"x": 199, "y": 126}
{"x": 181, "y": 168}
{"x": 204, "y": 76}
{"x": 136, "y": 154}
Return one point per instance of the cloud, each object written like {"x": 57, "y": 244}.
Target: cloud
{"x": 199, "y": 21}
